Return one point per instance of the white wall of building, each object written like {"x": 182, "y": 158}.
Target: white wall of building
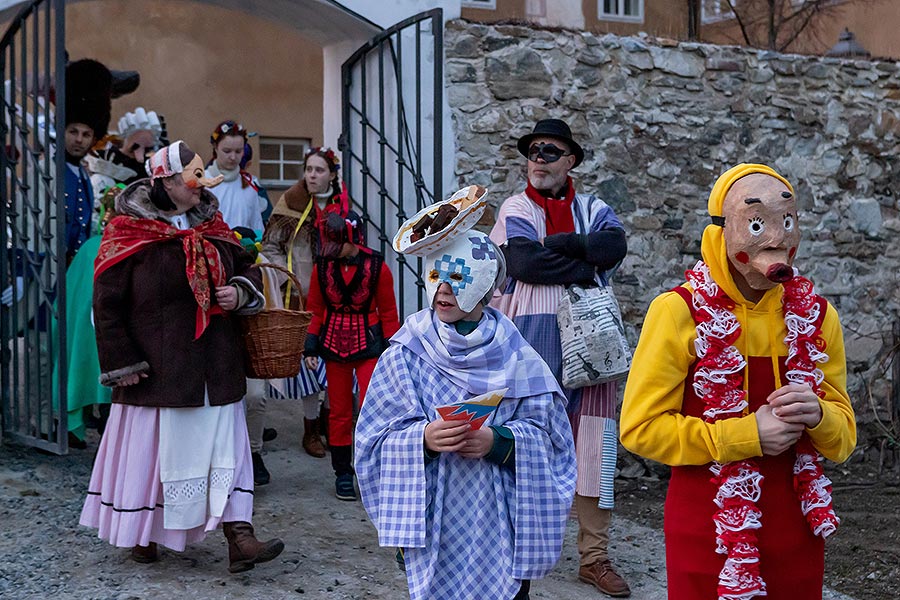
{"x": 384, "y": 14}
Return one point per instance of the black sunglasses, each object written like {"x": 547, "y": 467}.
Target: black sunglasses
{"x": 549, "y": 152}
{"x": 137, "y": 146}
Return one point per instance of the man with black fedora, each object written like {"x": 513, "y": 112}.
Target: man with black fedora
{"x": 554, "y": 236}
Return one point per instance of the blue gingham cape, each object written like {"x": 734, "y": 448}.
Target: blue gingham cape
{"x": 470, "y": 529}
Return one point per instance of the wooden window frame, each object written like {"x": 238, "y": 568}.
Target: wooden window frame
{"x": 305, "y": 143}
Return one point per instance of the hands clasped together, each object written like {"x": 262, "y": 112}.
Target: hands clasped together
{"x": 788, "y": 411}
{"x": 458, "y": 436}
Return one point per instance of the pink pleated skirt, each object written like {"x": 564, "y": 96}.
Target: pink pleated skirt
{"x": 125, "y": 497}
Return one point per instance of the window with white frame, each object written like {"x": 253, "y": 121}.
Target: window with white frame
{"x": 486, "y": 4}
{"x": 716, "y": 10}
{"x": 281, "y": 160}
{"x": 621, "y": 10}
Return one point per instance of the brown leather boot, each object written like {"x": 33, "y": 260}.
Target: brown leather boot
{"x": 145, "y": 554}
{"x": 602, "y": 575}
{"x": 312, "y": 441}
{"x": 244, "y": 550}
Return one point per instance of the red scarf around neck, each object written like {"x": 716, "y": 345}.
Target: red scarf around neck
{"x": 557, "y": 211}
{"x": 126, "y": 235}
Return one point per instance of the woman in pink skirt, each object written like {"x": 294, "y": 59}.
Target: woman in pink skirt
{"x": 174, "y": 461}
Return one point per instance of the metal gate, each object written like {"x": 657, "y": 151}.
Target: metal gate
{"x": 392, "y": 136}
{"x": 33, "y": 259}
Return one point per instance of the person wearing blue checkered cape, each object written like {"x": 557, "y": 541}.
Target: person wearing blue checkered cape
{"x": 477, "y": 513}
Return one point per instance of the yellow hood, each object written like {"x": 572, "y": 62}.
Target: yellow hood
{"x": 712, "y": 246}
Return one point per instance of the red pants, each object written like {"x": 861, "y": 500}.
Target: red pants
{"x": 340, "y": 396}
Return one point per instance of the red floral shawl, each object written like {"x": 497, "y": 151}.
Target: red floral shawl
{"x": 126, "y": 235}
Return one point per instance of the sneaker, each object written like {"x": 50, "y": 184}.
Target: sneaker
{"x": 269, "y": 434}
{"x": 602, "y": 576}
{"x": 343, "y": 487}
{"x": 261, "y": 474}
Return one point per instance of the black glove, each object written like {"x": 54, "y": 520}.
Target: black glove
{"x": 568, "y": 244}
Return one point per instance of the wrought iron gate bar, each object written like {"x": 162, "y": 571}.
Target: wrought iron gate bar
{"x": 396, "y": 150}
{"x": 387, "y": 195}
{"x": 32, "y": 228}
{"x": 382, "y": 193}
{"x": 391, "y": 159}
{"x": 438, "y": 33}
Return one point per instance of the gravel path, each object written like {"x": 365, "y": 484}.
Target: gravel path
{"x": 331, "y": 548}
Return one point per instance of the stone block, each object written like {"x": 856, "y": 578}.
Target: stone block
{"x": 459, "y": 71}
{"x": 634, "y": 45}
{"x": 677, "y": 62}
{"x": 492, "y": 44}
{"x": 718, "y": 63}
{"x": 637, "y": 60}
{"x": 468, "y": 97}
{"x": 646, "y": 222}
{"x": 587, "y": 75}
{"x": 805, "y": 115}
{"x": 817, "y": 70}
{"x": 863, "y": 341}
{"x": 593, "y": 56}
{"x": 865, "y": 216}
{"x": 663, "y": 168}
{"x": 614, "y": 191}
{"x": 518, "y": 74}
{"x": 490, "y": 121}
{"x": 515, "y": 30}
{"x": 762, "y": 75}
{"x": 611, "y": 41}
{"x": 464, "y": 46}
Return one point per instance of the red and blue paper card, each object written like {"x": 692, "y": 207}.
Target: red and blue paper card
{"x": 477, "y": 410}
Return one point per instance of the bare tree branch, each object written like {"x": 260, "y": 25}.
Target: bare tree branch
{"x": 778, "y": 24}
{"x": 773, "y": 33}
{"x": 797, "y": 31}
{"x": 740, "y": 22}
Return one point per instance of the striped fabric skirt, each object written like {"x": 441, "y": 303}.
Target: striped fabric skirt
{"x": 306, "y": 383}
{"x": 596, "y": 440}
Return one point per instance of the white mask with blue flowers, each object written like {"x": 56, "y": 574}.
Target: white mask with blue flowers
{"x": 472, "y": 265}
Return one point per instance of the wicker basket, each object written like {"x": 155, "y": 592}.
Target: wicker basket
{"x": 274, "y": 338}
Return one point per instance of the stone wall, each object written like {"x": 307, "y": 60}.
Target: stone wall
{"x": 661, "y": 120}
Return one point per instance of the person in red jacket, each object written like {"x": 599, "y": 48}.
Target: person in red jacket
{"x": 351, "y": 296}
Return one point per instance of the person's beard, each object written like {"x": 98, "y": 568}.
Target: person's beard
{"x": 74, "y": 160}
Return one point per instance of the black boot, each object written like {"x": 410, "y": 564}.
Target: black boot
{"x": 261, "y": 474}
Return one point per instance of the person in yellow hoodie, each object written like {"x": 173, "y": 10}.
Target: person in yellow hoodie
{"x": 739, "y": 383}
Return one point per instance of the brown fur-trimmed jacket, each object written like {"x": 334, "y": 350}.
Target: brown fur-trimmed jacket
{"x": 276, "y": 242}
{"x": 145, "y": 318}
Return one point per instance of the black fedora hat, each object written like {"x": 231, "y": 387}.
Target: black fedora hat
{"x": 555, "y": 128}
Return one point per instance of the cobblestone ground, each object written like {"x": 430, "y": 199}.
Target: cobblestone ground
{"x": 331, "y": 548}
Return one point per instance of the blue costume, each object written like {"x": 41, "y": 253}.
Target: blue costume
{"x": 79, "y": 208}
{"x": 470, "y": 528}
